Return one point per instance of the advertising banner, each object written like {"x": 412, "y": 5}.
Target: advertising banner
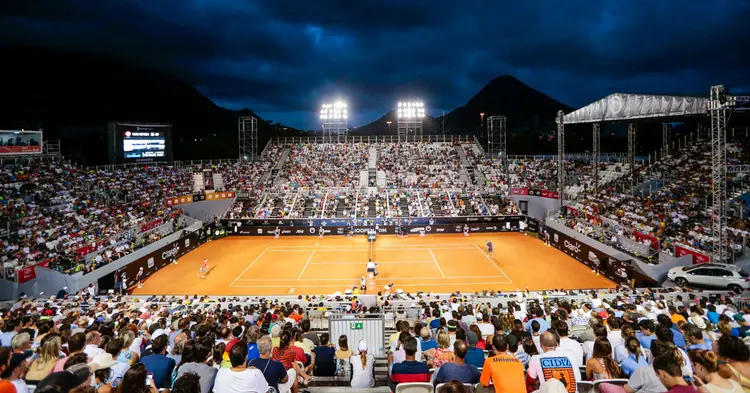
{"x": 507, "y": 226}
{"x": 151, "y": 263}
{"x": 612, "y": 268}
{"x": 199, "y": 197}
{"x": 20, "y": 142}
{"x": 654, "y": 242}
{"x": 28, "y": 273}
{"x": 698, "y": 257}
{"x": 535, "y": 192}
{"x": 151, "y": 225}
{"x": 369, "y": 221}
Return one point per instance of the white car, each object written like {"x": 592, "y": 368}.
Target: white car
{"x": 710, "y": 275}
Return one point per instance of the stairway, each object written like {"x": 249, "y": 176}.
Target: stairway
{"x": 466, "y": 174}
{"x": 273, "y": 174}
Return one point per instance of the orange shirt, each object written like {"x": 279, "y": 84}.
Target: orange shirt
{"x": 677, "y": 318}
{"x": 506, "y": 373}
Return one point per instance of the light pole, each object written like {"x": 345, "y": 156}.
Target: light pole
{"x": 481, "y": 120}
{"x": 389, "y": 125}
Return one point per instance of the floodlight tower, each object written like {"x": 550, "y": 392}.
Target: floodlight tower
{"x": 335, "y": 120}
{"x": 247, "y": 127}
{"x": 410, "y": 115}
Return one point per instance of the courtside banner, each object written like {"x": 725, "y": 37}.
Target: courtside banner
{"x": 612, "y": 268}
{"x": 213, "y": 196}
{"x": 20, "y": 142}
{"x": 156, "y": 260}
{"x": 681, "y": 250}
{"x": 508, "y": 226}
{"x": 345, "y": 222}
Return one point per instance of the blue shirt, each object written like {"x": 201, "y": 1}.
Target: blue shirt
{"x": 252, "y": 352}
{"x": 704, "y": 346}
{"x": 543, "y": 325}
{"x": 272, "y": 370}
{"x": 645, "y": 340}
{"x": 713, "y": 317}
{"x": 325, "y": 363}
{"x": 489, "y": 246}
{"x": 429, "y": 344}
{"x": 679, "y": 339}
{"x": 464, "y": 373}
{"x": 629, "y": 364}
{"x": 475, "y": 357}
{"x": 161, "y": 366}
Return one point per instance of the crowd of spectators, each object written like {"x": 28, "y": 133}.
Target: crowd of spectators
{"x": 654, "y": 339}
{"x": 420, "y": 165}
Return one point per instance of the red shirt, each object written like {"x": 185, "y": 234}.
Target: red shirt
{"x": 290, "y": 355}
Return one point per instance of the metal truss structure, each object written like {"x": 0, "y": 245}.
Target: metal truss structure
{"x": 596, "y": 152}
{"x": 561, "y": 157}
{"x": 632, "y": 127}
{"x": 719, "y": 105}
{"x": 664, "y": 139}
{"x": 409, "y": 120}
{"x": 497, "y": 145}
{"x": 247, "y": 130}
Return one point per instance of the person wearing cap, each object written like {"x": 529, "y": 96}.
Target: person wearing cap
{"x": 474, "y": 356}
{"x": 158, "y": 363}
{"x": 66, "y": 381}
{"x": 16, "y": 372}
{"x": 363, "y": 367}
{"x": 459, "y": 369}
{"x": 101, "y": 367}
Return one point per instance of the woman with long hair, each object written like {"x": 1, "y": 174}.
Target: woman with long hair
{"x": 49, "y": 354}
{"x": 481, "y": 343}
{"x": 343, "y": 352}
{"x": 363, "y": 370}
{"x": 635, "y": 358}
{"x": 136, "y": 381}
{"x": 602, "y": 365}
{"x": 706, "y": 368}
{"x": 289, "y": 355}
{"x": 735, "y": 359}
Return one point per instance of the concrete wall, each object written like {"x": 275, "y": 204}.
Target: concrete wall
{"x": 206, "y": 210}
{"x": 538, "y": 207}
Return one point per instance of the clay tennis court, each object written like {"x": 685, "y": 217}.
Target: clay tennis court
{"x": 307, "y": 265}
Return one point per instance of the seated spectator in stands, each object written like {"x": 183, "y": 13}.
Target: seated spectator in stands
{"x": 564, "y": 367}
{"x": 289, "y": 355}
{"x": 404, "y": 328}
{"x": 363, "y": 367}
{"x": 568, "y": 344}
{"x": 274, "y": 372}
{"x": 188, "y": 383}
{"x": 635, "y": 359}
{"x": 426, "y": 341}
{"x": 736, "y": 358}
{"x": 410, "y": 370}
{"x": 620, "y": 352}
{"x": 602, "y": 365}
{"x": 325, "y": 364}
{"x": 536, "y": 335}
{"x": 239, "y": 378}
{"x": 485, "y": 326}
{"x": 503, "y": 370}
{"x": 136, "y": 380}
{"x": 474, "y": 355}
{"x": 677, "y": 337}
{"x": 706, "y": 366}
{"x": 459, "y": 370}
{"x": 399, "y": 355}
{"x": 306, "y": 333}
{"x": 93, "y": 339}
{"x": 159, "y": 364}
{"x": 76, "y": 342}
{"x": 441, "y": 354}
{"x": 665, "y": 335}
{"x": 539, "y": 317}
{"x": 343, "y": 352}
{"x": 481, "y": 343}
{"x": 16, "y": 371}
{"x": 646, "y": 335}
{"x": 252, "y": 335}
{"x": 600, "y": 331}
{"x": 668, "y": 371}
{"x": 695, "y": 339}
{"x": 49, "y": 353}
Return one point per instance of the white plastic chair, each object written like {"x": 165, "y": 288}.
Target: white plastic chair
{"x": 414, "y": 387}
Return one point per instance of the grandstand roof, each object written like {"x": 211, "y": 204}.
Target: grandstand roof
{"x": 623, "y": 107}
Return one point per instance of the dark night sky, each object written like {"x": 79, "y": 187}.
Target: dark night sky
{"x": 283, "y": 58}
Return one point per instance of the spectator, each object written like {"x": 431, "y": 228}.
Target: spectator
{"x": 427, "y": 342}
{"x": 252, "y": 335}
{"x": 239, "y": 378}
{"x": 568, "y": 344}
{"x": 159, "y": 364}
{"x": 16, "y": 372}
{"x": 736, "y": 356}
{"x": 200, "y": 365}
{"x": 602, "y": 365}
{"x": 307, "y": 334}
{"x": 363, "y": 370}
{"x": 677, "y": 337}
{"x": 706, "y": 366}
{"x": 646, "y": 334}
{"x": 325, "y": 363}
{"x": 458, "y": 370}
{"x": 563, "y": 364}
{"x": 42, "y": 366}
{"x": 669, "y": 374}
{"x": 695, "y": 339}
{"x": 117, "y": 370}
{"x": 100, "y": 366}
{"x": 635, "y": 358}
{"x": 187, "y": 383}
{"x": 289, "y": 355}
{"x": 455, "y": 387}
{"x": 9, "y": 331}
{"x": 503, "y": 370}
{"x": 136, "y": 381}
{"x": 76, "y": 342}
{"x": 21, "y": 343}
{"x": 474, "y": 355}
{"x": 399, "y": 355}
{"x": 274, "y": 372}
{"x": 343, "y": 352}
{"x": 93, "y": 339}
{"x": 442, "y": 354}
{"x": 409, "y": 370}
{"x": 481, "y": 343}
{"x": 72, "y": 380}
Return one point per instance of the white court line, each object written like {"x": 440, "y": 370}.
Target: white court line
{"x": 436, "y": 262}
{"x": 355, "y": 279}
{"x": 364, "y": 263}
{"x": 300, "y": 285}
{"x": 493, "y": 263}
{"x": 291, "y": 250}
{"x": 386, "y": 246}
{"x": 360, "y": 249}
{"x": 308, "y": 262}
{"x": 248, "y": 267}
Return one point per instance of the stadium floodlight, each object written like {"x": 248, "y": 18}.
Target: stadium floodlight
{"x": 335, "y": 117}
{"x": 410, "y": 115}
{"x": 410, "y": 110}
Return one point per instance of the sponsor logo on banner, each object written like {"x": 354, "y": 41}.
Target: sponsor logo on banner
{"x": 470, "y": 219}
{"x": 417, "y": 230}
{"x": 520, "y": 191}
{"x": 440, "y": 230}
{"x": 260, "y": 231}
{"x": 491, "y": 228}
{"x": 428, "y": 228}
{"x": 312, "y": 229}
{"x": 150, "y": 263}
{"x": 299, "y": 232}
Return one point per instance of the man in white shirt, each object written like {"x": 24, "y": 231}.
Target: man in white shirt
{"x": 92, "y": 349}
{"x": 553, "y": 364}
{"x": 239, "y": 378}
{"x": 614, "y": 335}
{"x": 567, "y": 344}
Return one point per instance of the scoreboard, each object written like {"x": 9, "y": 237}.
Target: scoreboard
{"x": 135, "y": 142}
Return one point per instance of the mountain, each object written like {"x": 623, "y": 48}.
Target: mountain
{"x": 72, "y": 96}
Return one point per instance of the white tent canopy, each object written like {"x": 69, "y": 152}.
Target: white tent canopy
{"x": 623, "y": 107}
